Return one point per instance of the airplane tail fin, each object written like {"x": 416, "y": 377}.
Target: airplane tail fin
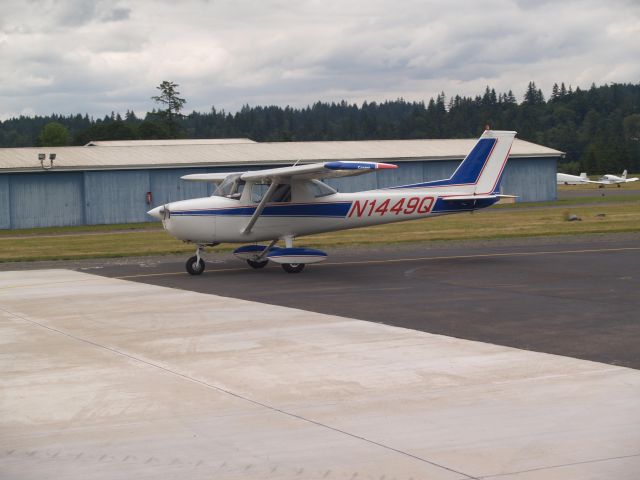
{"x": 583, "y": 176}
{"x": 489, "y": 172}
{"x": 481, "y": 170}
{"x": 624, "y": 175}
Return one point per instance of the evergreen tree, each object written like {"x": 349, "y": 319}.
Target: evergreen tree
{"x": 173, "y": 105}
{"x": 563, "y": 90}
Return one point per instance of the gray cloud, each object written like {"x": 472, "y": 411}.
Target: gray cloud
{"x": 75, "y": 56}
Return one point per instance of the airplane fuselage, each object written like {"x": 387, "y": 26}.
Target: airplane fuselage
{"x": 222, "y": 220}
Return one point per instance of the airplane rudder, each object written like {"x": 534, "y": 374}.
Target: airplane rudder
{"x": 491, "y": 175}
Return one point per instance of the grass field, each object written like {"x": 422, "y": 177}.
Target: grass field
{"x": 598, "y": 214}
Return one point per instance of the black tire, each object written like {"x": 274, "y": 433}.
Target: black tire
{"x": 194, "y": 267}
{"x": 257, "y": 265}
{"x": 293, "y": 267}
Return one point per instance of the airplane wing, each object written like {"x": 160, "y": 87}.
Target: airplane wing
{"x": 280, "y": 175}
{"x": 208, "y": 177}
{"x": 316, "y": 170}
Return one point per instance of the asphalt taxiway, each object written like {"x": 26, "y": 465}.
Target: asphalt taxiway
{"x": 572, "y": 296}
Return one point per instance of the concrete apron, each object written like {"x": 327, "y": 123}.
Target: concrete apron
{"x": 109, "y": 379}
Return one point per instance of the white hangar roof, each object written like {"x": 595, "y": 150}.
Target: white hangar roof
{"x": 140, "y": 143}
{"x": 233, "y": 152}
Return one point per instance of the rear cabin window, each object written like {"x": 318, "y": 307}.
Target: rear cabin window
{"x": 282, "y": 193}
{"x": 320, "y": 189}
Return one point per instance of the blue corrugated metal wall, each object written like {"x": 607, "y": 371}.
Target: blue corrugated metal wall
{"x": 116, "y": 196}
{"x": 5, "y": 211}
{"x": 44, "y": 199}
{"x": 532, "y": 179}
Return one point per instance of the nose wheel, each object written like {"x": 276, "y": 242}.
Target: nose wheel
{"x": 195, "y": 264}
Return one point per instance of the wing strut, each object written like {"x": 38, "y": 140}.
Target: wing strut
{"x": 260, "y": 208}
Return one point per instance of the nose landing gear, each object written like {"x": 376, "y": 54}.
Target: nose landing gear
{"x": 195, "y": 264}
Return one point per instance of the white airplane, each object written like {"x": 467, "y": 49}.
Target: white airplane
{"x": 566, "y": 179}
{"x": 609, "y": 179}
{"x": 281, "y": 204}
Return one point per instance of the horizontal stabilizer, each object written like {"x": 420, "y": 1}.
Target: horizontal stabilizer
{"x": 466, "y": 198}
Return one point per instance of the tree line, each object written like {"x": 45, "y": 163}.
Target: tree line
{"x": 598, "y": 128}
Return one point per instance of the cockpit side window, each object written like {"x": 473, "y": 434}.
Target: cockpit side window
{"x": 320, "y": 189}
{"x": 281, "y": 194}
{"x": 258, "y": 190}
{"x": 231, "y": 187}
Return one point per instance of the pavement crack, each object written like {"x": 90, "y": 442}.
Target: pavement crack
{"x": 561, "y": 465}
{"x": 240, "y": 396}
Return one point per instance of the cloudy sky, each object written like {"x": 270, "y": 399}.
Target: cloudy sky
{"x": 80, "y": 56}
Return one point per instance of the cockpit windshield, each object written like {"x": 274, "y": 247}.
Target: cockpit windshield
{"x": 231, "y": 187}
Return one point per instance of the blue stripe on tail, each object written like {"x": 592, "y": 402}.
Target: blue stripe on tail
{"x": 469, "y": 170}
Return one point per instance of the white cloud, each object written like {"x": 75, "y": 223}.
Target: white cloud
{"x": 77, "y": 56}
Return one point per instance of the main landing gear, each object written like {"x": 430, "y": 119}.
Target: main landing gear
{"x": 292, "y": 260}
{"x": 260, "y": 257}
{"x": 280, "y": 255}
{"x": 293, "y": 267}
{"x": 257, "y": 264}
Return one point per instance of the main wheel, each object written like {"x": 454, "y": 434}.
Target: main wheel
{"x": 256, "y": 265}
{"x": 195, "y": 267}
{"x": 293, "y": 267}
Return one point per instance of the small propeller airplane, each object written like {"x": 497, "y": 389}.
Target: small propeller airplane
{"x": 281, "y": 204}
{"x": 610, "y": 179}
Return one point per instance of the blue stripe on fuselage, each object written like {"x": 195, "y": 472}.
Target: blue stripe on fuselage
{"x": 338, "y": 209}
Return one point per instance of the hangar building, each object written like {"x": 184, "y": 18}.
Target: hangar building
{"x": 118, "y": 181}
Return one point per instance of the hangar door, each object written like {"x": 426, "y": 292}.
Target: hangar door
{"x": 45, "y": 199}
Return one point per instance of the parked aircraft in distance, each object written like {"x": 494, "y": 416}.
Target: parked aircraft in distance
{"x": 281, "y": 204}
{"x": 566, "y": 179}
{"x": 608, "y": 179}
